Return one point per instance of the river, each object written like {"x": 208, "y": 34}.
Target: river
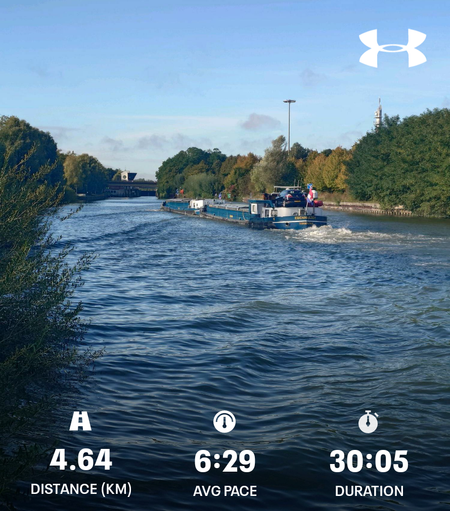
{"x": 295, "y": 333}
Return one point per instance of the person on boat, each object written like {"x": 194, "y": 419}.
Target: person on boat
{"x": 309, "y": 195}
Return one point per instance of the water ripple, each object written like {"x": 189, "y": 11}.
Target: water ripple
{"x": 296, "y": 332}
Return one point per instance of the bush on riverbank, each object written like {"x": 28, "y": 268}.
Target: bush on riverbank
{"x": 40, "y": 327}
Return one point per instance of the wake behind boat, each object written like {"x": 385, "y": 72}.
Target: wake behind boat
{"x": 291, "y": 208}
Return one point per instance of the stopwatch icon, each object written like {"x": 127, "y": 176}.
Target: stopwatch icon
{"x": 368, "y": 423}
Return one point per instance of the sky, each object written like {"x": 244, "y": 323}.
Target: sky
{"x": 134, "y": 82}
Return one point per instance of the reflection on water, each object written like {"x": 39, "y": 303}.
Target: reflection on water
{"x": 296, "y": 333}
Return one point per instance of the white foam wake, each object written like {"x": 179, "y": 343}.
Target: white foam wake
{"x": 330, "y": 235}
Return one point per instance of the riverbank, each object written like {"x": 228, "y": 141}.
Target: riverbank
{"x": 345, "y": 202}
{"x": 371, "y": 208}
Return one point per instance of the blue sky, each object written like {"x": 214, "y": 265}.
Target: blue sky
{"x": 133, "y": 82}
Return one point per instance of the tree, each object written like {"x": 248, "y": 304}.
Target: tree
{"x": 227, "y": 167}
{"x": 192, "y": 170}
{"x": 21, "y": 142}
{"x": 174, "y": 171}
{"x": 40, "y": 328}
{"x": 405, "y": 162}
{"x": 273, "y": 169}
{"x": 334, "y": 171}
{"x": 314, "y": 170}
{"x": 201, "y": 185}
{"x": 238, "y": 182}
{"x": 85, "y": 174}
{"x": 113, "y": 173}
{"x": 298, "y": 152}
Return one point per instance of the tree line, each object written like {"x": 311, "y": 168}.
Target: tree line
{"x": 402, "y": 163}
{"x": 82, "y": 173}
{"x": 405, "y": 163}
{"x": 202, "y": 173}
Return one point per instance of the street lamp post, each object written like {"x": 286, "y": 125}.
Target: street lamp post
{"x": 289, "y": 101}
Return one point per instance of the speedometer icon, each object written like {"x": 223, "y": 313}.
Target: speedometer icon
{"x": 224, "y": 421}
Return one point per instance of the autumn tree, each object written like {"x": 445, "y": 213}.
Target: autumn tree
{"x": 238, "y": 182}
{"x": 334, "y": 170}
{"x": 314, "y": 170}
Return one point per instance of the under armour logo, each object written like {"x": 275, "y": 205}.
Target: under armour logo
{"x": 415, "y": 57}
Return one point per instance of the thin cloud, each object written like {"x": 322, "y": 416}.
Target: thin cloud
{"x": 351, "y": 68}
{"x": 151, "y": 142}
{"x": 259, "y": 122}
{"x": 113, "y": 144}
{"x": 59, "y": 132}
{"x": 309, "y": 78}
{"x": 175, "y": 142}
{"x": 184, "y": 142}
{"x": 41, "y": 71}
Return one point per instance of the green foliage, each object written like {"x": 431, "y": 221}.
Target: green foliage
{"x": 334, "y": 170}
{"x": 405, "y": 163}
{"x": 274, "y": 169}
{"x": 85, "y": 174}
{"x": 201, "y": 185}
{"x": 298, "y": 152}
{"x": 326, "y": 170}
{"x": 19, "y": 141}
{"x": 39, "y": 324}
{"x": 70, "y": 195}
{"x": 237, "y": 181}
{"x": 113, "y": 174}
{"x": 174, "y": 171}
{"x": 314, "y": 170}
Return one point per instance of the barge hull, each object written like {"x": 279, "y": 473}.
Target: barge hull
{"x": 255, "y": 217}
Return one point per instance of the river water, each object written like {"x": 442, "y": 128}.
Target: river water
{"x": 295, "y": 333}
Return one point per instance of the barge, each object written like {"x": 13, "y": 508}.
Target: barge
{"x": 289, "y": 209}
